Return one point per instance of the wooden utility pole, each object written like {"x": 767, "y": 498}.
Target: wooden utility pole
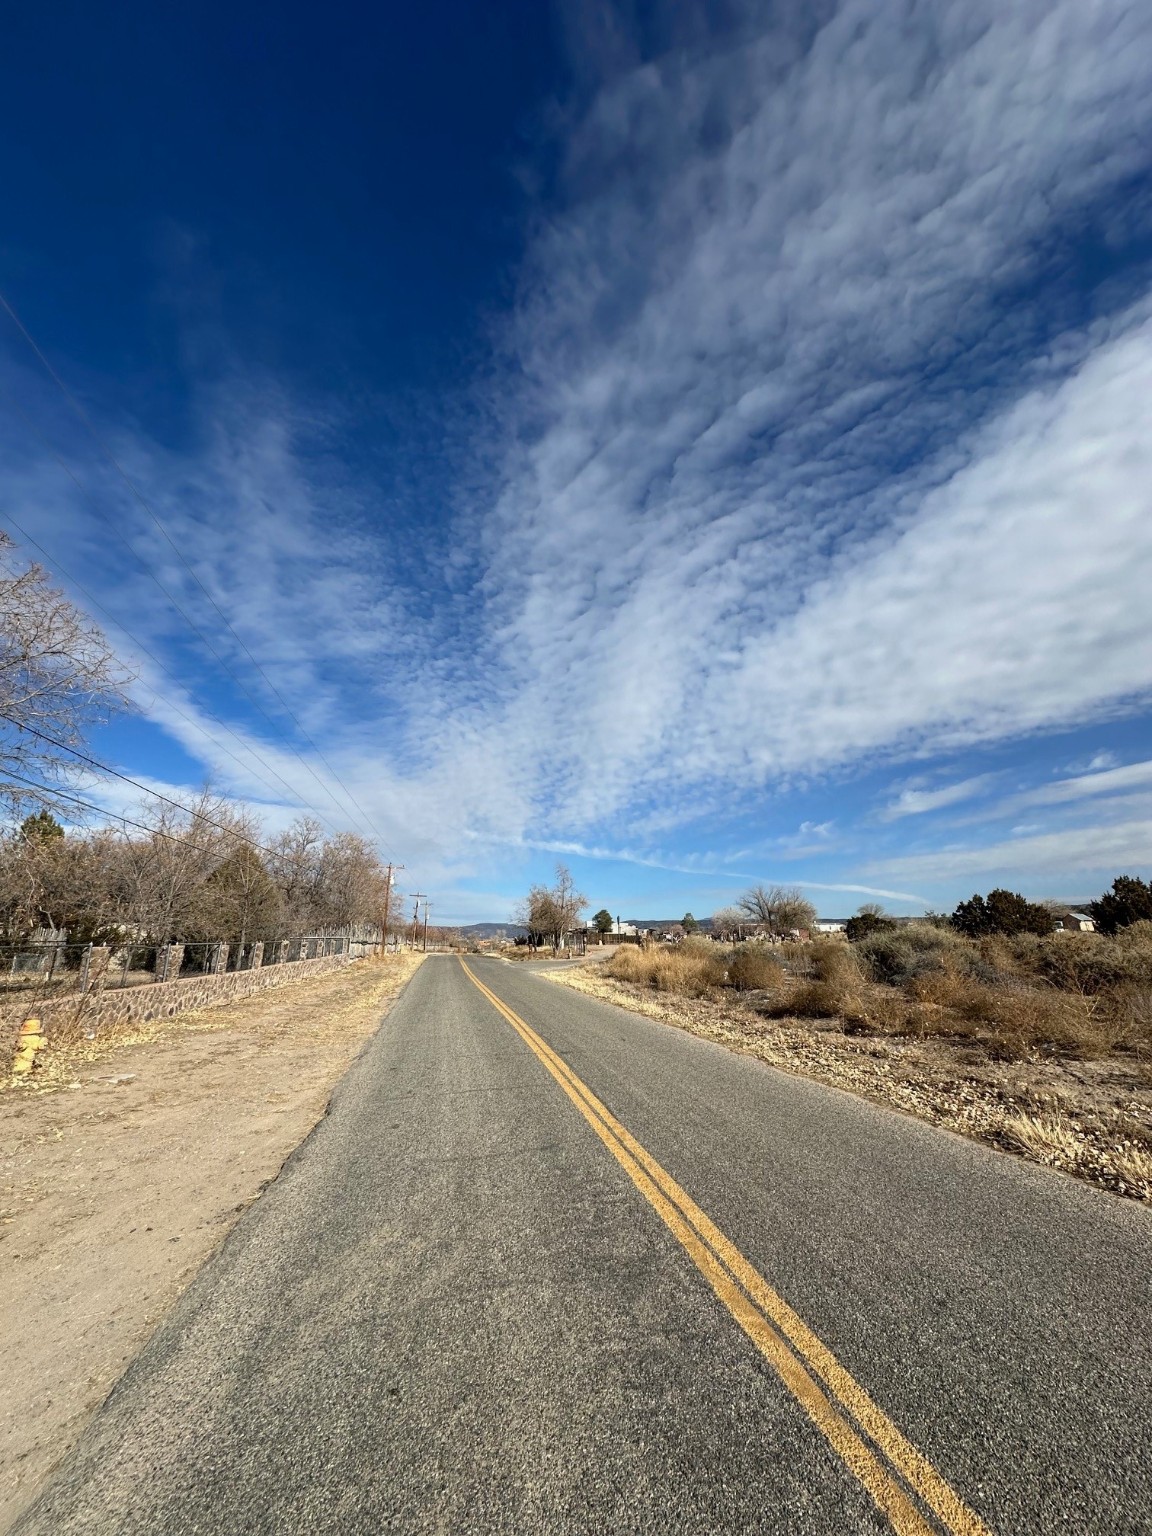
{"x": 417, "y": 897}
{"x": 425, "y": 925}
{"x": 388, "y": 902}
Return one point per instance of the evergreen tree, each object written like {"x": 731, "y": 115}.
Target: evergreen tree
{"x": 42, "y": 827}
{"x": 1129, "y": 901}
{"x": 1001, "y": 911}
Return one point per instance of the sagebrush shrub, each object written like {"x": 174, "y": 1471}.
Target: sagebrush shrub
{"x": 834, "y": 961}
{"x": 912, "y": 950}
{"x": 752, "y": 968}
{"x": 819, "y": 1000}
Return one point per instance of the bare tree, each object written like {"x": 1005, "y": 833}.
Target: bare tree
{"x": 352, "y": 883}
{"x": 67, "y": 884}
{"x": 550, "y": 912}
{"x": 58, "y": 677}
{"x": 165, "y": 870}
{"x": 296, "y": 869}
{"x": 196, "y": 871}
{"x": 779, "y": 909}
{"x": 729, "y": 923}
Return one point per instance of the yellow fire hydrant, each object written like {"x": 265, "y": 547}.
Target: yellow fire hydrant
{"x": 31, "y": 1039}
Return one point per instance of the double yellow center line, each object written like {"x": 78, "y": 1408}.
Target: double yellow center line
{"x": 900, "y": 1480}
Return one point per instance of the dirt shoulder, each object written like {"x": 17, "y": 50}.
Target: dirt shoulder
{"x": 1092, "y": 1119}
{"x": 125, "y": 1163}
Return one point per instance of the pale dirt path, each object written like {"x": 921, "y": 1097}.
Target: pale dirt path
{"x": 122, "y": 1172}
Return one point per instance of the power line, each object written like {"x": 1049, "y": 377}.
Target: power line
{"x": 50, "y": 793}
{"x": 115, "y": 772}
{"x": 152, "y": 657}
{"x": 139, "y": 496}
{"x": 59, "y": 794}
{"x": 191, "y": 623}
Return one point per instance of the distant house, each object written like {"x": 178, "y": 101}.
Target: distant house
{"x": 830, "y": 925}
{"x": 1074, "y": 922}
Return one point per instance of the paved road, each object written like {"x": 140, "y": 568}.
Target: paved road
{"x": 475, "y": 1302}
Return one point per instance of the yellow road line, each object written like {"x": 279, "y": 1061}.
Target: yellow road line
{"x": 756, "y": 1307}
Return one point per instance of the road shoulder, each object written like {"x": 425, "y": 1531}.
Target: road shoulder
{"x": 125, "y": 1169}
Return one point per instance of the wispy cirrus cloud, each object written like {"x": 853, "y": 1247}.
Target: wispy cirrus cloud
{"x": 773, "y": 299}
{"x": 1084, "y": 786}
{"x": 711, "y": 867}
{"x": 813, "y": 456}
{"x": 1073, "y": 853}
{"x": 918, "y": 802}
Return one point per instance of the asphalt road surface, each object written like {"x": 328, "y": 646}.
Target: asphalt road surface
{"x": 550, "y": 1266}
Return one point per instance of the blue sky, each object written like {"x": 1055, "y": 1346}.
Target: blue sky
{"x": 702, "y": 444}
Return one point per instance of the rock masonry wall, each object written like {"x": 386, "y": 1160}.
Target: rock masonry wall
{"x": 97, "y": 1008}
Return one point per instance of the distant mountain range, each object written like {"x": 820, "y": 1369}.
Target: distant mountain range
{"x": 492, "y": 930}
{"x": 511, "y": 930}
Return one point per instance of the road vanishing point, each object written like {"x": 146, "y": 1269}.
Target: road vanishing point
{"x": 550, "y": 1266}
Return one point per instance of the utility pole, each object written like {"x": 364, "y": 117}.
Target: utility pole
{"x": 388, "y": 902}
{"x": 417, "y": 897}
{"x": 425, "y": 925}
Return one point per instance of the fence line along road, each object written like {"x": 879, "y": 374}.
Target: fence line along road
{"x": 43, "y": 967}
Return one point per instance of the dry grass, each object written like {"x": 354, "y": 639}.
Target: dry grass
{"x": 1058, "y": 1141}
{"x": 752, "y": 968}
{"x": 697, "y": 968}
{"x": 1081, "y": 997}
{"x": 688, "y": 970}
{"x": 364, "y": 985}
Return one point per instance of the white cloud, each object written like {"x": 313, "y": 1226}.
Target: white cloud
{"x": 1096, "y": 762}
{"x": 731, "y": 347}
{"x": 1015, "y": 602}
{"x": 1113, "y": 781}
{"x": 784, "y": 275}
{"x": 1070, "y": 854}
{"x": 917, "y": 802}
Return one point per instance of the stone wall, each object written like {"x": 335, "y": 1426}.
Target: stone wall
{"x": 92, "y": 1011}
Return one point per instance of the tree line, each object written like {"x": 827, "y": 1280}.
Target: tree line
{"x": 551, "y": 912}
{"x": 191, "y": 868}
{"x": 780, "y": 912}
{"x": 1008, "y": 914}
{"x": 199, "y": 872}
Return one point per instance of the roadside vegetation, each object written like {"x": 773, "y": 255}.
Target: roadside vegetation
{"x": 198, "y": 871}
{"x": 1077, "y": 994}
{"x": 987, "y": 1022}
